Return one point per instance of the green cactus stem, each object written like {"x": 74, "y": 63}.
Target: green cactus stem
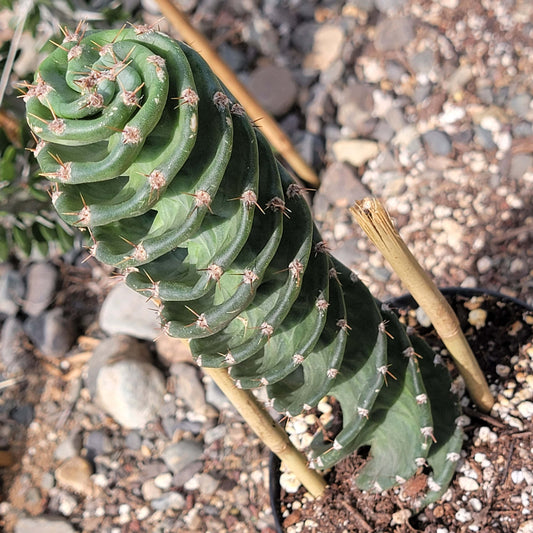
{"x": 152, "y": 155}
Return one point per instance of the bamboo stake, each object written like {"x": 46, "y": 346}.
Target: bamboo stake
{"x": 271, "y": 129}
{"x": 268, "y": 430}
{"x": 377, "y": 224}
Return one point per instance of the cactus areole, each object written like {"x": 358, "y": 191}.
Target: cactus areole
{"x": 151, "y": 154}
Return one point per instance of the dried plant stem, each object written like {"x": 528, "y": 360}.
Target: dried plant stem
{"x": 269, "y": 126}
{"x": 268, "y": 430}
{"x": 377, "y": 224}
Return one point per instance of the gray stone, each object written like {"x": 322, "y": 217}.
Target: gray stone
{"x": 311, "y": 148}
{"x": 128, "y": 312}
{"x": 113, "y": 349}
{"x": 52, "y": 332}
{"x": 455, "y": 83}
{"x": 169, "y": 500}
{"x": 338, "y": 187}
{"x": 97, "y": 443}
{"x": 232, "y": 56}
{"x": 437, "y": 142}
{"x": 177, "y": 456}
{"x": 41, "y": 281}
{"x": 303, "y": 35}
{"x": 423, "y": 62}
{"x": 355, "y": 104}
{"x": 11, "y": 290}
{"x": 14, "y": 352}
{"x": 520, "y": 164}
{"x": 215, "y": 397}
{"x": 390, "y": 5}
{"x": 188, "y": 386}
{"x": 133, "y": 440}
{"x": 131, "y": 391}
{"x": 43, "y": 524}
{"x": 23, "y": 414}
{"x": 274, "y": 88}
{"x": 181, "y": 477}
{"x": 383, "y": 132}
{"x": 520, "y": 104}
{"x": 522, "y": 129}
{"x": 68, "y": 447}
{"x": 395, "y": 119}
{"x": 394, "y": 33}
{"x": 484, "y": 138}
{"x": 395, "y": 71}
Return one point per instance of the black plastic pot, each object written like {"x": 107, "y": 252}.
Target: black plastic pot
{"x": 405, "y": 301}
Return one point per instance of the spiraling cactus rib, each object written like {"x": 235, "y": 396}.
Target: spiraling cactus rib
{"x": 79, "y": 166}
{"x": 295, "y": 339}
{"x": 275, "y": 296}
{"x": 396, "y": 412}
{"x": 445, "y": 452}
{"x": 310, "y": 381}
{"x": 236, "y": 289}
{"x": 151, "y": 153}
{"x": 164, "y": 153}
{"x": 222, "y": 235}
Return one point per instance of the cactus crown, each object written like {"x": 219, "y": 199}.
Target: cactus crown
{"x": 150, "y": 152}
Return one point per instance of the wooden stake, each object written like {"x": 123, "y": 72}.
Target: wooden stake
{"x": 377, "y": 224}
{"x": 268, "y": 430}
{"x": 269, "y": 126}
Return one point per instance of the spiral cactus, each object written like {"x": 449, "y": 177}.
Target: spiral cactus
{"x": 150, "y": 152}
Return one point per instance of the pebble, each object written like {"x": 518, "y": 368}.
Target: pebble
{"x": 401, "y": 517}
{"x": 525, "y": 409}
{"x": 356, "y": 152}
{"x": 171, "y": 350}
{"x": 179, "y": 455}
{"x": 468, "y": 484}
{"x": 526, "y": 527}
{"x": 131, "y": 391}
{"x": 67, "y": 503}
{"x": 69, "y": 447}
{"x": 437, "y": 142}
{"x": 274, "y": 88}
{"x": 52, "y": 332}
{"x": 41, "y": 282}
{"x": 517, "y": 476}
{"x": 163, "y": 481}
{"x": 12, "y": 290}
{"x": 462, "y": 515}
{"x": 189, "y": 387}
{"x": 338, "y": 176}
{"x": 43, "y": 524}
{"x": 14, "y": 353}
{"x": 75, "y": 474}
{"x": 394, "y": 33}
{"x": 127, "y": 312}
{"x": 169, "y": 500}
{"x": 328, "y": 41}
{"x": 477, "y": 318}
{"x": 150, "y": 491}
{"x": 484, "y": 264}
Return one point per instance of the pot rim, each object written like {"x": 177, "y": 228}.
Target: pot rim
{"x": 407, "y": 298}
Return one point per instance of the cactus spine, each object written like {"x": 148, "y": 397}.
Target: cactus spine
{"x": 150, "y": 153}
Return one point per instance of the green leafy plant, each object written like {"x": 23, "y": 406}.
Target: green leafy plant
{"x": 150, "y": 153}
{"x": 27, "y": 224}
